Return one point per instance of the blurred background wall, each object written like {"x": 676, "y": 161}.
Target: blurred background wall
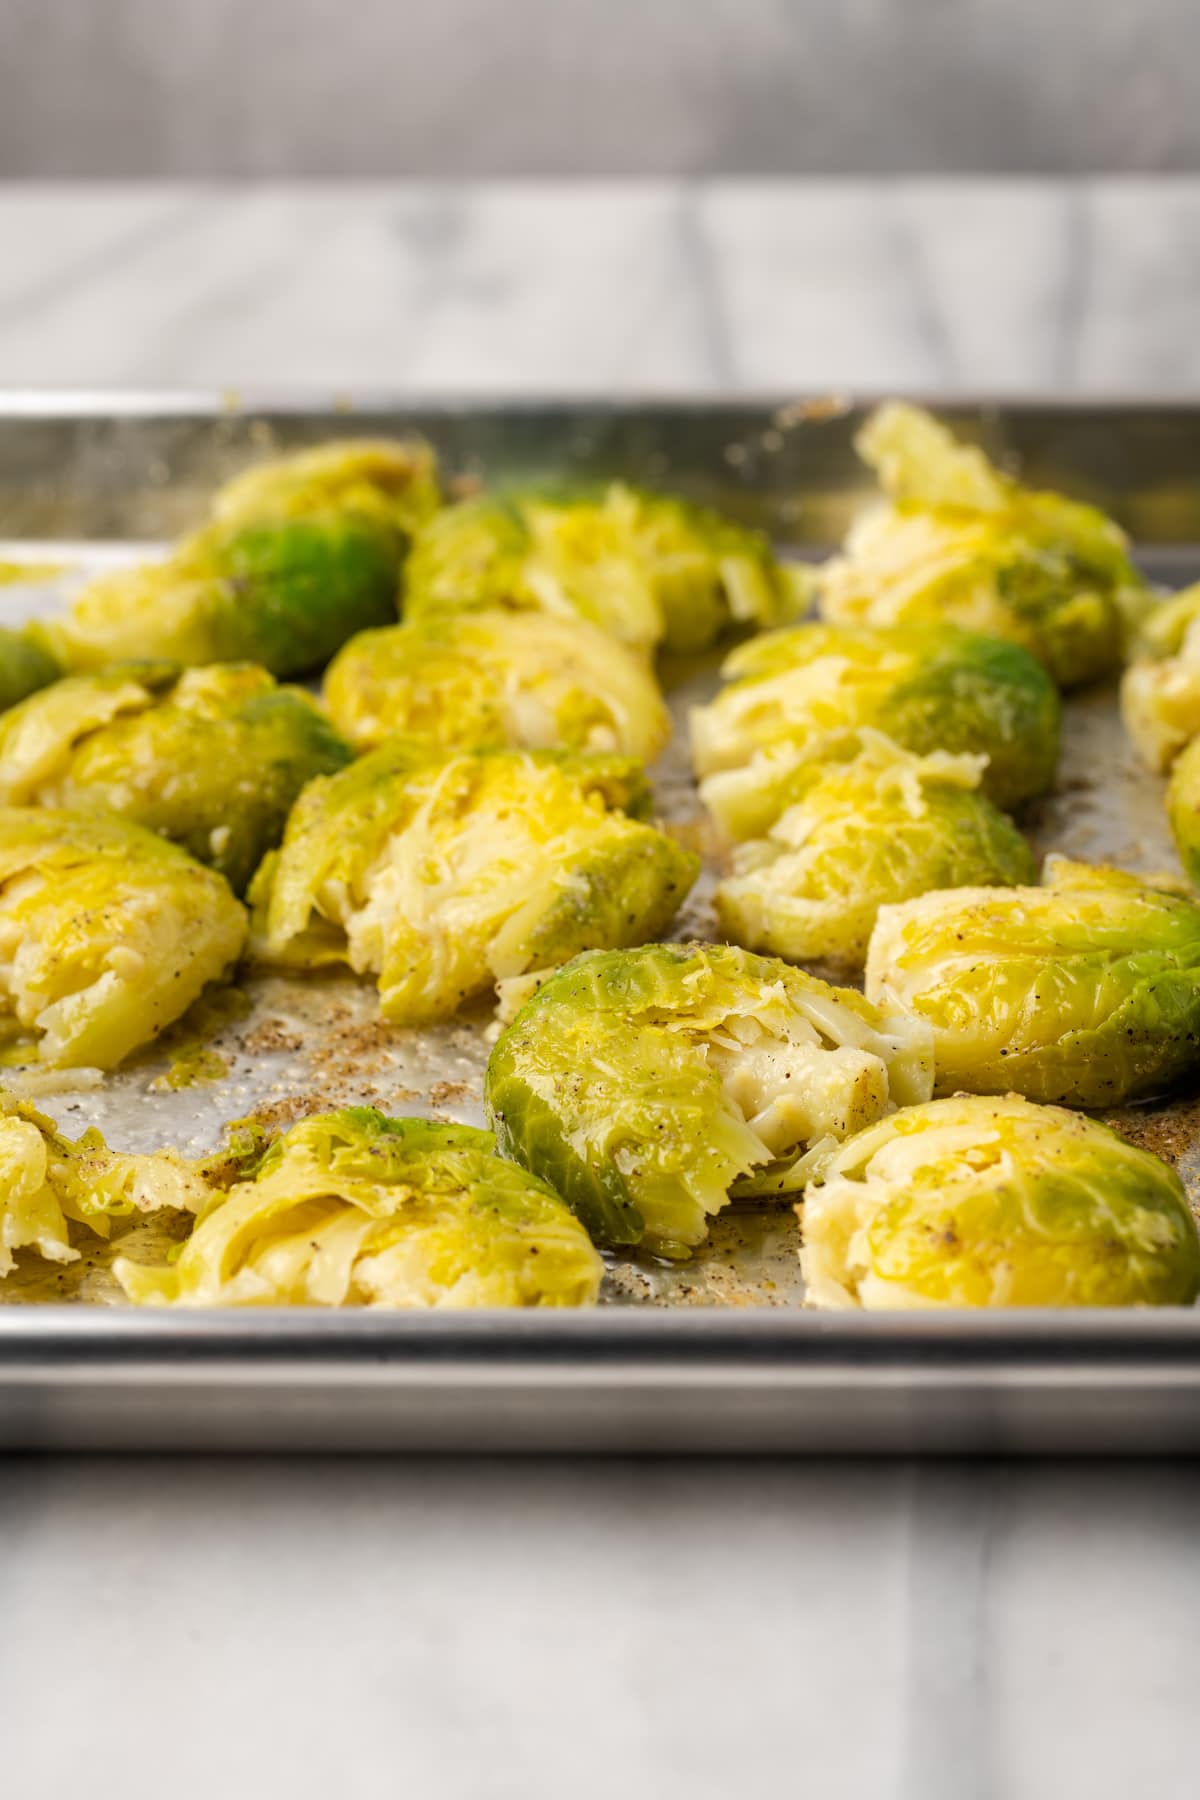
{"x": 212, "y": 88}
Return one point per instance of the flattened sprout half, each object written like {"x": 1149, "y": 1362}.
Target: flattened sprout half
{"x": 650, "y": 569}
{"x": 354, "y": 1209}
{"x": 958, "y": 541}
{"x": 107, "y": 934}
{"x": 384, "y": 481}
{"x": 211, "y": 757}
{"x": 971, "y": 1202}
{"x": 302, "y": 554}
{"x": 1160, "y": 691}
{"x": 1085, "y": 990}
{"x": 26, "y": 664}
{"x": 491, "y": 680}
{"x": 647, "y": 1084}
{"x": 1183, "y": 809}
{"x": 442, "y": 878}
{"x": 285, "y": 594}
{"x": 48, "y": 1182}
{"x": 793, "y": 695}
{"x": 882, "y": 827}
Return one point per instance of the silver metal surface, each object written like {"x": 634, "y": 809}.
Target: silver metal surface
{"x": 621, "y": 1380}
{"x": 718, "y": 1353}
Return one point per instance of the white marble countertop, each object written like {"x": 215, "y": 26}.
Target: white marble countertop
{"x": 457, "y": 1629}
{"x": 662, "y": 286}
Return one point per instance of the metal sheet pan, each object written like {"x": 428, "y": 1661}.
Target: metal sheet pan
{"x": 719, "y": 1353}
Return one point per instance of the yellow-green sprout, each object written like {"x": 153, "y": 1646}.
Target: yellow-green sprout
{"x": 26, "y": 664}
{"x": 353, "y": 1209}
{"x": 794, "y": 695}
{"x": 107, "y": 934}
{"x": 1183, "y": 809}
{"x": 648, "y": 1085}
{"x": 285, "y": 594}
{"x": 384, "y": 481}
{"x": 957, "y": 540}
{"x": 49, "y": 1182}
{"x": 489, "y": 680}
{"x": 442, "y": 878}
{"x": 1085, "y": 990}
{"x": 881, "y": 827}
{"x": 211, "y": 757}
{"x": 302, "y": 553}
{"x": 972, "y": 1202}
{"x": 650, "y": 569}
{"x": 1160, "y": 691}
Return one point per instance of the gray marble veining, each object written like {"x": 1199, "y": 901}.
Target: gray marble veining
{"x": 665, "y": 287}
{"x": 698, "y": 1630}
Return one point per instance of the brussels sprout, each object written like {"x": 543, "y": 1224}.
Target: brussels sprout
{"x": 107, "y": 934}
{"x": 285, "y": 594}
{"x": 48, "y": 1182}
{"x": 957, "y": 540}
{"x": 26, "y": 664}
{"x": 882, "y": 827}
{"x": 646, "y": 1084}
{"x": 1084, "y": 990}
{"x": 648, "y": 568}
{"x": 212, "y": 757}
{"x": 303, "y": 552}
{"x": 1183, "y": 809}
{"x": 442, "y": 877}
{"x": 353, "y": 1209}
{"x": 494, "y": 679}
{"x": 383, "y": 481}
{"x": 1160, "y": 691}
{"x": 794, "y": 695}
{"x": 969, "y": 1202}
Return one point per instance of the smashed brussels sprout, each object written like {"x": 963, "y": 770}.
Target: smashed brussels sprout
{"x": 1183, "y": 809}
{"x": 443, "y": 877}
{"x": 1084, "y": 990}
{"x": 285, "y": 594}
{"x": 1160, "y": 691}
{"x": 107, "y": 934}
{"x": 650, "y": 569}
{"x": 48, "y": 1182}
{"x": 212, "y": 757}
{"x": 384, "y": 481}
{"x": 956, "y": 540}
{"x": 302, "y": 553}
{"x": 881, "y": 827}
{"x": 353, "y": 1209}
{"x": 793, "y": 696}
{"x": 646, "y": 1084}
{"x": 970, "y": 1202}
{"x": 26, "y": 665}
{"x": 492, "y": 680}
